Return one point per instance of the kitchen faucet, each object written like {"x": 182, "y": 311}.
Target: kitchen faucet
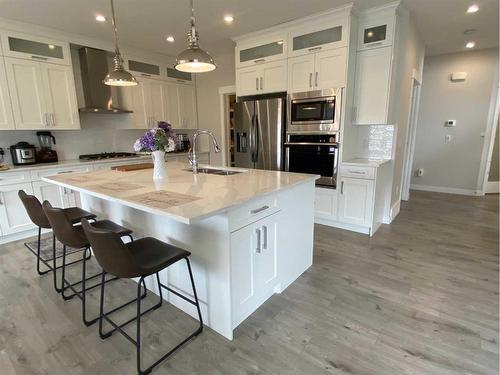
{"x": 193, "y": 159}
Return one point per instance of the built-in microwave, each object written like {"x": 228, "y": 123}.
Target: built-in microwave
{"x": 314, "y": 112}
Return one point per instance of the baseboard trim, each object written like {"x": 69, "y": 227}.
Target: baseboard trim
{"x": 492, "y": 187}
{"x": 444, "y": 189}
{"x": 396, "y": 207}
{"x": 18, "y": 236}
{"x": 338, "y": 224}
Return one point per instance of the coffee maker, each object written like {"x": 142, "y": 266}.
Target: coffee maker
{"x": 46, "y": 154}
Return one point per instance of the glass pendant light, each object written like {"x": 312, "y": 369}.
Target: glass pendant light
{"x": 118, "y": 76}
{"x": 194, "y": 59}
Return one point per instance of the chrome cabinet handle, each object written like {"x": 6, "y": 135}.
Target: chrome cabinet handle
{"x": 259, "y": 61}
{"x": 257, "y": 210}
{"x": 257, "y": 247}
{"x": 256, "y": 83}
{"x": 342, "y": 187}
{"x": 44, "y": 120}
{"x": 354, "y": 113}
{"x": 314, "y": 49}
{"x": 39, "y": 58}
{"x": 261, "y": 83}
{"x": 264, "y": 231}
{"x": 145, "y": 75}
{"x": 310, "y": 79}
{"x": 52, "y": 119}
{"x": 1, "y": 202}
{"x": 65, "y": 172}
{"x": 316, "y": 79}
{"x": 357, "y": 172}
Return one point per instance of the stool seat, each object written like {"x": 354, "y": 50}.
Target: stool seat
{"x": 153, "y": 255}
{"x": 76, "y": 214}
{"x": 78, "y": 239}
{"x": 112, "y": 227}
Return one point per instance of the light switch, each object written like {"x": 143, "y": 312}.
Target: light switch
{"x": 447, "y": 138}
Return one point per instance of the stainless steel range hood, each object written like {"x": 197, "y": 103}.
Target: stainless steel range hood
{"x": 99, "y": 98}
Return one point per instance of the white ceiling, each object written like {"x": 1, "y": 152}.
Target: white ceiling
{"x": 145, "y": 24}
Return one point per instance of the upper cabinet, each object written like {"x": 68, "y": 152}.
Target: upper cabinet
{"x": 262, "y": 49}
{"x": 34, "y": 48}
{"x": 144, "y": 69}
{"x": 6, "y": 117}
{"x": 327, "y": 33}
{"x": 376, "y": 29}
{"x": 262, "y": 78}
{"x": 177, "y": 76}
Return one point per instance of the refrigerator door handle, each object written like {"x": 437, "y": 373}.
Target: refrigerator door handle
{"x": 256, "y": 138}
{"x": 252, "y": 139}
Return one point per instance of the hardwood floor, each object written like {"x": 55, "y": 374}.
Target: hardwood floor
{"x": 420, "y": 297}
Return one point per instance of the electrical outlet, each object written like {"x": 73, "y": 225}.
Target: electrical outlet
{"x": 447, "y": 138}
{"x": 420, "y": 172}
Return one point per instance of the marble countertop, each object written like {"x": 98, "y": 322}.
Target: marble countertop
{"x": 366, "y": 162}
{"x": 182, "y": 196}
{"x": 67, "y": 163}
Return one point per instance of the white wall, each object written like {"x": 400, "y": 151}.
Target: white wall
{"x": 454, "y": 166}
{"x": 208, "y": 99}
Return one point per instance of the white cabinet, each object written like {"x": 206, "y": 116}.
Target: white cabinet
{"x": 43, "y": 95}
{"x": 47, "y": 191}
{"x": 253, "y": 261}
{"x": 356, "y": 201}
{"x": 262, "y": 49}
{"x": 180, "y": 77}
{"x": 325, "y": 203}
{"x": 147, "y": 103}
{"x": 262, "y": 78}
{"x": 6, "y": 117}
{"x": 13, "y": 216}
{"x": 180, "y": 105}
{"x": 317, "y": 71}
{"x": 376, "y": 28}
{"x": 372, "y": 86}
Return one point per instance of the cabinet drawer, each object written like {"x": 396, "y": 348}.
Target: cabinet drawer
{"x": 37, "y": 175}
{"x": 358, "y": 172}
{"x": 10, "y": 178}
{"x": 252, "y": 212}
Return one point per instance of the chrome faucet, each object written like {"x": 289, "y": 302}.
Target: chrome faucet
{"x": 193, "y": 159}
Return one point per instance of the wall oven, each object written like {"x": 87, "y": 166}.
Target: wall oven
{"x": 314, "y": 112}
{"x": 315, "y": 154}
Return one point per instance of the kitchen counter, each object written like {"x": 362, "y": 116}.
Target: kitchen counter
{"x": 68, "y": 163}
{"x": 250, "y": 234}
{"x": 365, "y": 162}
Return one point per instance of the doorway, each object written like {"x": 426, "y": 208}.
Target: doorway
{"x": 227, "y": 103}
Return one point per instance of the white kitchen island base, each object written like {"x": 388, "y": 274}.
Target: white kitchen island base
{"x": 240, "y": 257}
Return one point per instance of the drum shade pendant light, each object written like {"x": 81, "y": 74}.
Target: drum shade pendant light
{"x": 118, "y": 76}
{"x": 194, "y": 59}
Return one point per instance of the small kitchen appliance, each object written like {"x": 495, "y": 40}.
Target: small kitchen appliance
{"x": 184, "y": 143}
{"x": 46, "y": 154}
{"x": 23, "y": 153}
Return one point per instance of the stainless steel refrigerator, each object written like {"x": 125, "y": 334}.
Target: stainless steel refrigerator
{"x": 259, "y": 133}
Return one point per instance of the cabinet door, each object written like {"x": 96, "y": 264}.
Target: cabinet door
{"x": 272, "y": 47}
{"x": 247, "y": 81}
{"x": 187, "y": 106}
{"x": 156, "y": 102}
{"x": 301, "y": 73}
{"x": 171, "y": 105}
{"x": 13, "y": 216}
{"x": 356, "y": 201}
{"x": 50, "y": 192}
{"x": 273, "y": 77}
{"x": 325, "y": 203}
{"x": 371, "y": 96}
{"x": 265, "y": 254}
{"x": 60, "y": 96}
{"x": 330, "y": 69}
{"x": 6, "y": 117}
{"x": 27, "y": 93}
{"x": 140, "y": 104}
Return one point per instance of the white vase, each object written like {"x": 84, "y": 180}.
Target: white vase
{"x": 159, "y": 165}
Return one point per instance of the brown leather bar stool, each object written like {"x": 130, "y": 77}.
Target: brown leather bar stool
{"x": 139, "y": 258}
{"x": 73, "y": 236}
{"x": 37, "y": 216}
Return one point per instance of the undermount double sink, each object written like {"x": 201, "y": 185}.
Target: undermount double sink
{"x": 220, "y": 172}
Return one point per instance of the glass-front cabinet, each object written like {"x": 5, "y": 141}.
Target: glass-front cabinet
{"x": 318, "y": 36}
{"x": 144, "y": 69}
{"x": 35, "y": 48}
{"x": 178, "y": 76}
{"x": 261, "y": 50}
{"x": 376, "y": 29}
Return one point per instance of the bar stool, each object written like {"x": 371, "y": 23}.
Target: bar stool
{"x": 73, "y": 236}
{"x": 139, "y": 258}
{"x": 37, "y": 216}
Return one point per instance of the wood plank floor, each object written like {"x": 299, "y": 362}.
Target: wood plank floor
{"x": 420, "y": 297}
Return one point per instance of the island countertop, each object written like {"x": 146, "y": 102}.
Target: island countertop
{"x": 182, "y": 196}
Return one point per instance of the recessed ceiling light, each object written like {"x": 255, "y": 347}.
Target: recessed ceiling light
{"x": 470, "y": 45}
{"x": 228, "y": 18}
{"x": 473, "y": 8}
{"x": 170, "y": 39}
{"x": 100, "y": 18}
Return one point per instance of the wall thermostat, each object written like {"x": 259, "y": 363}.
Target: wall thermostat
{"x": 450, "y": 123}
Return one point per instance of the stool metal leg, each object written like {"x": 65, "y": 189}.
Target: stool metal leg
{"x": 38, "y": 254}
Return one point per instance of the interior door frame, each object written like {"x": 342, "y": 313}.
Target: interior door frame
{"x": 411, "y": 134}
{"x": 224, "y": 93}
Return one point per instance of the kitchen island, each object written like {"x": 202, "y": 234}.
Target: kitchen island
{"x": 250, "y": 233}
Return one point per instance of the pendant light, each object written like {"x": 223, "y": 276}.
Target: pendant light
{"x": 118, "y": 76}
{"x": 194, "y": 59}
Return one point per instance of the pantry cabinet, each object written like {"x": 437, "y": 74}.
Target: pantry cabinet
{"x": 43, "y": 95}
{"x": 262, "y": 78}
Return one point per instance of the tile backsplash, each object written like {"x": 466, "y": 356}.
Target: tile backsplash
{"x": 376, "y": 141}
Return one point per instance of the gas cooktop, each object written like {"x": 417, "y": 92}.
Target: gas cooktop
{"x": 107, "y": 155}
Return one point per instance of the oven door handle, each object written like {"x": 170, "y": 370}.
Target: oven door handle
{"x": 291, "y": 144}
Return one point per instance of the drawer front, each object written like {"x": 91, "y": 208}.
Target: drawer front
{"x": 251, "y": 212}
{"x": 358, "y": 172}
{"x": 37, "y": 175}
{"x": 10, "y": 178}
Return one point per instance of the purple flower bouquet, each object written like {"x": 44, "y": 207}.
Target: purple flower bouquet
{"x": 161, "y": 138}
